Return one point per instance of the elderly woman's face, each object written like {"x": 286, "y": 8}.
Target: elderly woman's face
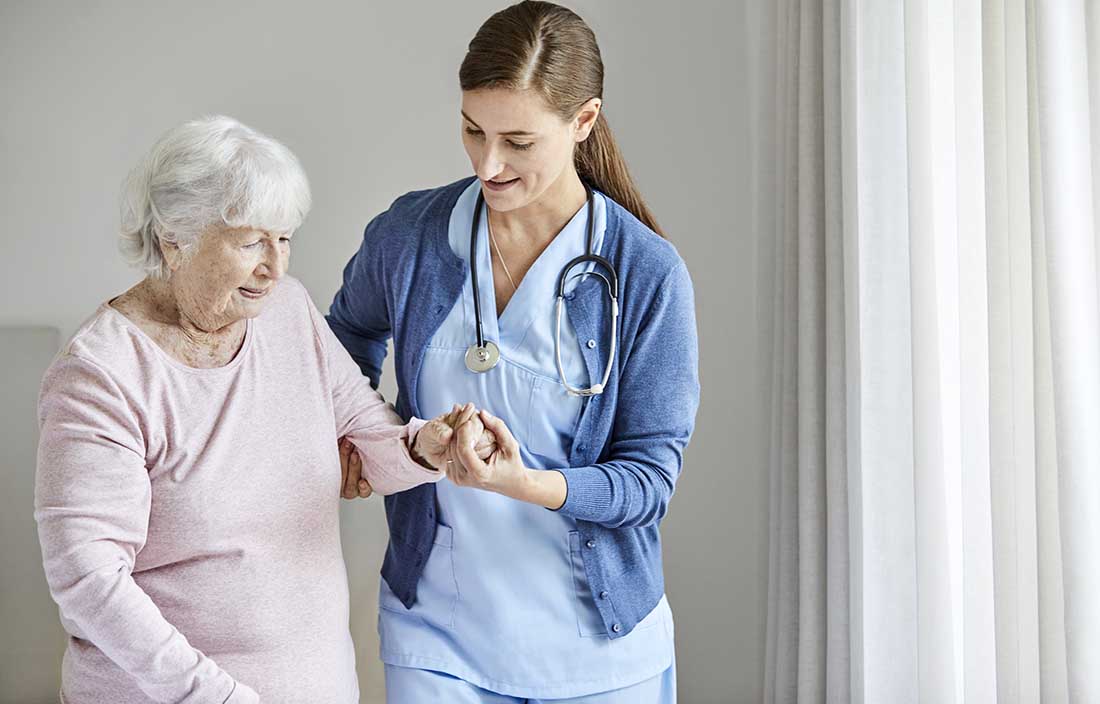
{"x": 230, "y": 273}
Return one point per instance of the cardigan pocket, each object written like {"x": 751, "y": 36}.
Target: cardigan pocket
{"x": 589, "y": 621}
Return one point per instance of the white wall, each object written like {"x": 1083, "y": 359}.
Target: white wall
{"x": 366, "y": 94}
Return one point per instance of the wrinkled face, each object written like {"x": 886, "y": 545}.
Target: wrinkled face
{"x": 518, "y": 148}
{"x": 228, "y": 275}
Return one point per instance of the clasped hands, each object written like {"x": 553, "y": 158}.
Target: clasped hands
{"x": 474, "y": 448}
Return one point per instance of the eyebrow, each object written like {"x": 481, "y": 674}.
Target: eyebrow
{"x": 510, "y": 133}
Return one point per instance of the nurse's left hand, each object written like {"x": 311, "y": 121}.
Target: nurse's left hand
{"x": 502, "y": 472}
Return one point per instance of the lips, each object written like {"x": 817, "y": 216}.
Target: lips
{"x": 253, "y": 293}
{"x": 500, "y": 185}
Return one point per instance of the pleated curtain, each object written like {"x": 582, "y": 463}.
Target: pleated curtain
{"x": 926, "y": 181}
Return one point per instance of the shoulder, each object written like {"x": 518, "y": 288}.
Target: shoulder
{"x": 644, "y": 258}
{"x": 415, "y": 211}
{"x": 94, "y": 366}
{"x": 106, "y": 341}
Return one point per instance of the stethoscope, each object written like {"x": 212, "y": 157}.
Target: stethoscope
{"x": 484, "y": 354}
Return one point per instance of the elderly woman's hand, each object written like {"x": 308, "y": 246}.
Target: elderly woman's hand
{"x": 502, "y": 472}
{"x": 434, "y": 439}
{"x": 354, "y": 485}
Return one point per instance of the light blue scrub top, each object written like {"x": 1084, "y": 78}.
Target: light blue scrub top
{"x": 504, "y": 602}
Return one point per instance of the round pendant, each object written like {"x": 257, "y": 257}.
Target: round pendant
{"x": 482, "y": 359}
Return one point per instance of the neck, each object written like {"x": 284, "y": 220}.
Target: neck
{"x": 540, "y": 221}
{"x": 168, "y": 306}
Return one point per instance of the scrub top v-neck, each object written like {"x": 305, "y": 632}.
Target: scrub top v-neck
{"x": 504, "y": 602}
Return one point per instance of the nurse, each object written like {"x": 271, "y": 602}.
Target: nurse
{"x": 535, "y": 576}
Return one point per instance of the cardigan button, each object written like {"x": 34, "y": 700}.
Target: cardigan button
{"x": 591, "y": 543}
{"x": 617, "y": 627}
{"x": 604, "y": 594}
{"x": 591, "y": 344}
{"x": 582, "y": 447}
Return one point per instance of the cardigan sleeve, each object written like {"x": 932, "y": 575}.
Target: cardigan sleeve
{"x": 658, "y": 396}
{"x": 359, "y": 315}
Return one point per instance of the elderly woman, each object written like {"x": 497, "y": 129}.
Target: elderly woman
{"x": 187, "y": 491}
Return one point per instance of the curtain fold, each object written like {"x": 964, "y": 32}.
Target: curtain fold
{"x": 935, "y": 349}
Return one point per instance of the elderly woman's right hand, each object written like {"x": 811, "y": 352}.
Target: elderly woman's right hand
{"x": 431, "y": 445}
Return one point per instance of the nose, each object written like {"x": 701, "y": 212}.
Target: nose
{"x": 274, "y": 263}
{"x": 490, "y": 165}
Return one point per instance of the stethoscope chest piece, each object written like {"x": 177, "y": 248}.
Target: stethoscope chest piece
{"x": 482, "y": 358}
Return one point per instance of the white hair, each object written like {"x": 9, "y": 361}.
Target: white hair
{"x": 205, "y": 173}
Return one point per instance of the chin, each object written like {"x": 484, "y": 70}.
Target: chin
{"x": 509, "y": 200}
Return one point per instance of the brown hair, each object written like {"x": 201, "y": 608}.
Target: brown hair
{"x": 547, "y": 48}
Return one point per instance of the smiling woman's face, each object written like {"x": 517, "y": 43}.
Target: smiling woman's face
{"x": 229, "y": 275}
{"x": 518, "y": 148}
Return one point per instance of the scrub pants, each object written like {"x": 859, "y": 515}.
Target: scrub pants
{"x": 407, "y": 685}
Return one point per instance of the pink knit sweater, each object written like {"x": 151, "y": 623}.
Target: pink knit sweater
{"x": 189, "y": 517}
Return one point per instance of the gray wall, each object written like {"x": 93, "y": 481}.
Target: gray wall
{"x": 366, "y": 94}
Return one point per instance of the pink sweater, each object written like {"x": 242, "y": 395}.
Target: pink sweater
{"x": 189, "y": 517}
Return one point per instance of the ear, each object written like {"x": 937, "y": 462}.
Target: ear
{"x": 585, "y": 121}
{"x": 173, "y": 255}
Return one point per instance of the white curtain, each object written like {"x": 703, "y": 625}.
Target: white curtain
{"x": 926, "y": 179}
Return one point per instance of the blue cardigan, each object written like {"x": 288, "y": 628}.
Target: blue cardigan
{"x": 629, "y": 445}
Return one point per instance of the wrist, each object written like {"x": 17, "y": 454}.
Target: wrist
{"x": 517, "y": 485}
{"x": 546, "y": 488}
{"x": 415, "y": 453}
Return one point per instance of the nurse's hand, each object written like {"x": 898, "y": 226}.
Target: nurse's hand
{"x": 434, "y": 439}
{"x": 503, "y": 469}
{"x": 504, "y": 472}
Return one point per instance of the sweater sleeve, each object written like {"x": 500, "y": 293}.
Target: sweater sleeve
{"x": 358, "y": 314}
{"x": 654, "y": 419}
{"x": 372, "y": 424}
{"x": 92, "y": 503}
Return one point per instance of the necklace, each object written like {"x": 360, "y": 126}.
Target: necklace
{"x": 500, "y": 256}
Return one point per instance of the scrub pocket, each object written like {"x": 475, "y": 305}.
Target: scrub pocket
{"x": 437, "y": 591}
{"x": 589, "y": 621}
{"x": 551, "y": 422}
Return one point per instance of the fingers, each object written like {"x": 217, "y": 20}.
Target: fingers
{"x": 354, "y": 473}
{"x": 456, "y": 471}
{"x": 467, "y": 456}
{"x": 486, "y": 439}
{"x": 441, "y": 431}
{"x": 484, "y": 452}
{"x": 343, "y": 447}
{"x": 465, "y": 414}
{"x": 468, "y": 434}
{"x": 505, "y": 439}
{"x": 365, "y": 488}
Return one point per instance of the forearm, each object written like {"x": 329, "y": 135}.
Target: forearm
{"x": 542, "y": 487}
{"x": 621, "y": 493}
{"x": 100, "y": 602}
{"x": 390, "y": 462}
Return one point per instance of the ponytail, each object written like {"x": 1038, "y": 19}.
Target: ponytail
{"x": 601, "y": 164}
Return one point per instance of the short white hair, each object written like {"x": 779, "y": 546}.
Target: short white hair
{"x": 206, "y": 173}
